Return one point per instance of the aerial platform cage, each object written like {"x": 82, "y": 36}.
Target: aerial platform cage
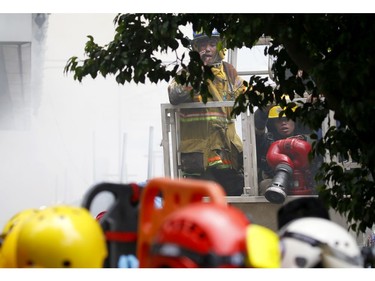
{"x": 244, "y": 122}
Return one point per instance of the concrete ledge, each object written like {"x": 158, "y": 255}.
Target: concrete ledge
{"x": 264, "y": 213}
{"x": 261, "y": 199}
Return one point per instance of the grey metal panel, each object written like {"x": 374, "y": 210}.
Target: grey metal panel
{"x": 165, "y": 125}
{"x": 249, "y": 154}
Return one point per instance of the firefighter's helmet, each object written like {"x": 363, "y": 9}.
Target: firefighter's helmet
{"x": 10, "y": 235}
{"x": 276, "y": 110}
{"x": 263, "y": 247}
{"x": 17, "y": 218}
{"x": 61, "y": 236}
{"x": 201, "y": 235}
{"x": 8, "y": 249}
{"x": 317, "y": 242}
{"x": 197, "y": 35}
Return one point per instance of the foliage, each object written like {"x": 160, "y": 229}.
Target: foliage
{"x": 332, "y": 49}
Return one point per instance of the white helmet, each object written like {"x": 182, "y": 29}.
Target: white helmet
{"x": 317, "y": 242}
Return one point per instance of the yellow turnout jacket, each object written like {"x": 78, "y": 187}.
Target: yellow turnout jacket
{"x": 208, "y": 136}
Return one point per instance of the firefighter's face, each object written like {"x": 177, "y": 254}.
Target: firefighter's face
{"x": 207, "y": 49}
{"x": 284, "y": 126}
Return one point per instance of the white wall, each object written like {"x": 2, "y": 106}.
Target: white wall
{"x": 21, "y": 27}
{"x": 78, "y": 130}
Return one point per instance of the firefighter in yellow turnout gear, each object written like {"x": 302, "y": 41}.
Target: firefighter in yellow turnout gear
{"x": 209, "y": 144}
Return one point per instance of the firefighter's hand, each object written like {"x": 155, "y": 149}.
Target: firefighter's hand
{"x": 188, "y": 88}
{"x": 197, "y": 97}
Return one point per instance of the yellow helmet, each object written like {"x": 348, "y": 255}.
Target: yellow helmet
{"x": 8, "y": 249}
{"x": 61, "y": 237}
{"x": 263, "y": 247}
{"x": 10, "y": 235}
{"x": 17, "y": 218}
{"x": 275, "y": 111}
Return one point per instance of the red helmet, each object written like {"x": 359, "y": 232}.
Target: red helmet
{"x": 201, "y": 235}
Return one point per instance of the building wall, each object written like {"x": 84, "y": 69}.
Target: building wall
{"x": 15, "y": 27}
{"x": 60, "y": 137}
